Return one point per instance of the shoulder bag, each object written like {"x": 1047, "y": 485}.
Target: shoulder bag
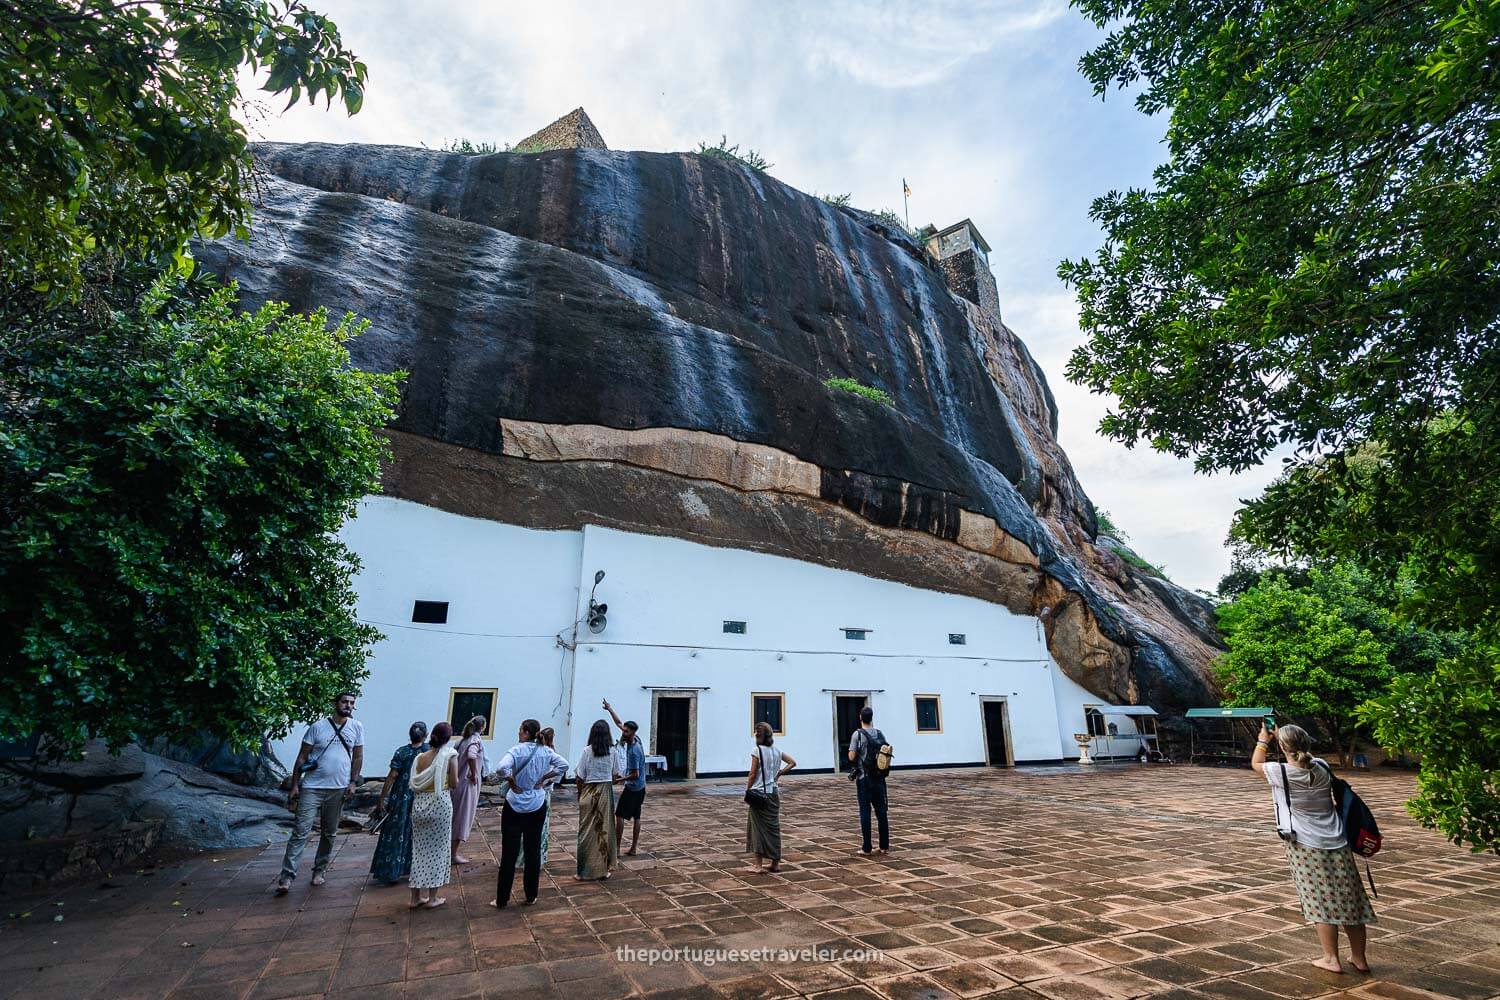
{"x": 759, "y": 796}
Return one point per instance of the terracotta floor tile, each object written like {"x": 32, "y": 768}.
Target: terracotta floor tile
{"x": 1116, "y": 881}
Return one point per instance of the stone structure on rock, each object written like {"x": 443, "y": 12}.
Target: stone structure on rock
{"x": 633, "y": 351}
{"x": 964, "y": 257}
{"x": 573, "y": 130}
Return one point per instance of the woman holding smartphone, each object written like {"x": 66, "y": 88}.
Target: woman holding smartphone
{"x": 1322, "y": 865}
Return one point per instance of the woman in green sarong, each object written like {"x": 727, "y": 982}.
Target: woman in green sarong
{"x": 597, "y": 774}
{"x": 392, "y": 859}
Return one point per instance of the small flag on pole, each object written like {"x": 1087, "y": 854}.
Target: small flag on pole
{"x": 905, "y": 188}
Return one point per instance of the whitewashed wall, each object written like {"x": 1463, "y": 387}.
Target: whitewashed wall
{"x": 512, "y": 590}
{"x": 668, "y": 600}
{"x": 509, "y": 590}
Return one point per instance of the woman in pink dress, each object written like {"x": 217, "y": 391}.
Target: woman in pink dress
{"x": 466, "y": 792}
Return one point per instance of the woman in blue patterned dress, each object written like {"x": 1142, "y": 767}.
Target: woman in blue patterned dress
{"x": 392, "y": 859}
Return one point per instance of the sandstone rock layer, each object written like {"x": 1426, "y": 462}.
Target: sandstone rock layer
{"x": 642, "y": 341}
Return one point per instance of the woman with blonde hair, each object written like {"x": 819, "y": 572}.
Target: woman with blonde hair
{"x": 1308, "y": 823}
{"x": 763, "y": 796}
{"x": 470, "y": 774}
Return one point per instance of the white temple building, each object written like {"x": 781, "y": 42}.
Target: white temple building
{"x": 698, "y": 644}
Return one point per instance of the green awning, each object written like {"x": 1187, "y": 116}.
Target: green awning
{"x": 1228, "y": 713}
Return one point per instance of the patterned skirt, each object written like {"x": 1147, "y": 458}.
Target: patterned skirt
{"x": 1329, "y": 886}
{"x": 431, "y": 850}
{"x": 392, "y": 858}
{"x": 597, "y": 850}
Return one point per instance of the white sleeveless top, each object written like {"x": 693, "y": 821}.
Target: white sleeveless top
{"x": 771, "y": 759}
{"x": 434, "y": 777}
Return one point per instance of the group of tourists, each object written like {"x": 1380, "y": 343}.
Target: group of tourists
{"x": 431, "y": 794}
{"x": 430, "y": 798}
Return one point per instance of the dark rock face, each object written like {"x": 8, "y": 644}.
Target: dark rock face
{"x": 641, "y": 291}
{"x": 96, "y": 795}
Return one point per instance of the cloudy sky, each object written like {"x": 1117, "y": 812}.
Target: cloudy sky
{"x": 977, "y": 103}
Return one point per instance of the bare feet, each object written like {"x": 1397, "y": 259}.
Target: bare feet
{"x": 416, "y": 904}
{"x": 459, "y": 859}
{"x": 884, "y": 851}
{"x": 1363, "y": 968}
{"x": 433, "y": 904}
{"x": 1329, "y": 963}
{"x": 752, "y": 869}
{"x": 319, "y": 879}
{"x": 631, "y": 851}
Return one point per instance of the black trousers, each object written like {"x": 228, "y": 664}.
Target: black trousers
{"x": 514, "y": 828}
{"x": 872, "y": 796}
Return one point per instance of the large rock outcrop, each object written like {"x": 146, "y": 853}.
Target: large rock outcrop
{"x": 642, "y": 341}
{"x": 94, "y": 795}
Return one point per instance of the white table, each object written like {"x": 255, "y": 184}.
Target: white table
{"x": 658, "y": 761}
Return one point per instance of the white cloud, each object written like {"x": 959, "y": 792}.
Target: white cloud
{"x": 977, "y": 103}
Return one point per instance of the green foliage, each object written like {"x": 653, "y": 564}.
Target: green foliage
{"x": 1141, "y": 564}
{"x": 837, "y": 200}
{"x": 724, "y": 151}
{"x": 172, "y": 478}
{"x": 118, "y": 123}
{"x": 1314, "y": 266}
{"x": 891, "y": 219}
{"x": 860, "y": 389}
{"x": 468, "y": 148}
{"x": 1294, "y": 650}
{"x": 1450, "y": 718}
{"x": 1107, "y": 526}
{"x": 1323, "y": 648}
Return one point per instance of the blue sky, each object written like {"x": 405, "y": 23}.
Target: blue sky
{"x": 978, "y": 104}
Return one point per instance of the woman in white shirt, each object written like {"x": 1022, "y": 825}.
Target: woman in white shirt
{"x": 432, "y": 774}
{"x": 598, "y": 772}
{"x": 530, "y": 766}
{"x": 1322, "y": 864}
{"x": 763, "y": 796}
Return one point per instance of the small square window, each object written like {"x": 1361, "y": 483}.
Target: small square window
{"x": 734, "y": 628}
{"x": 769, "y": 708}
{"x": 957, "y": 639}
{"x": 856, "y": 633}
{"x": 430, "y": 612}
{"x": 465, "y": 703}
{"x": 929, "y": 714}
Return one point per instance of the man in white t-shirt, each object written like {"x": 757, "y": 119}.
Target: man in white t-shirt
{"x": 328, "y": 767}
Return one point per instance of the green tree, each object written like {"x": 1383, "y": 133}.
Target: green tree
{"x": 171, "y": 485}
{"x": 118, "y": 123}
{"x": 1314, "y": 267}
{"x": 1451, "y": 719}
{"x": 1295, "y": 650}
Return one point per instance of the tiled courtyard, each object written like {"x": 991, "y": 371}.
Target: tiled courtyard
{"x": 1056, "y": 883}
